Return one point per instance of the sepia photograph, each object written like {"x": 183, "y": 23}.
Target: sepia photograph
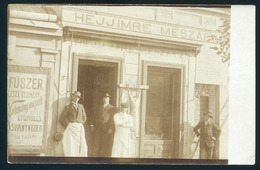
{"x": 118, "y": 84}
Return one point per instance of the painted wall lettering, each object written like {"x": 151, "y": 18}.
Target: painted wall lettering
{"x": 135, "y": 27}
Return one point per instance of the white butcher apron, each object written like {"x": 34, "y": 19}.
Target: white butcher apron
{"x": 74, "y": 142}
{"x": 122, "y": 138}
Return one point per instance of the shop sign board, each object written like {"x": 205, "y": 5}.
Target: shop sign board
{"x": 132, "y": 26}
{"x": 28, "y": 91}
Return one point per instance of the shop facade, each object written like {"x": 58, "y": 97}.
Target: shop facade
{"x": 156, "y": 58}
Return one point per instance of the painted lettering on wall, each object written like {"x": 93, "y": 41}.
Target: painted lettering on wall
{"x": 112, "y": 22}
{"x": 26, "y": 108}
{"x": 185, "y": 33}
{"x": 134, "y": 26}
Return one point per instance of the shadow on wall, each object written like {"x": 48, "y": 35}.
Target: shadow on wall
{"x": 189, "y": 141}
{"x": 54, "y": 144}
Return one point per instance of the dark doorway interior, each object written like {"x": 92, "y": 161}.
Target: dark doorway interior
{"x": 204, "y": 105}
{"x": 95, "y": 78}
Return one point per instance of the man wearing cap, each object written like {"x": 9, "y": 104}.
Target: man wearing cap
{"x": 208, "y": 134}
{"x": 72, "y": 118}
{"x": 103, "y": 128}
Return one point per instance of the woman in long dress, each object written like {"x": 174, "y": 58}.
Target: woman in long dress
{"x": 122, "y": 139}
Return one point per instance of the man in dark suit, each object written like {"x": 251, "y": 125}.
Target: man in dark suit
{"x": 103, "y": 128}
{"x": 208, "y": 134}
{"x": 72, "y": 118}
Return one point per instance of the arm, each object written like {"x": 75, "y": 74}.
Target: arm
{"x": 84, "y": 115}
{"x": 129, "y": 123}
{"x": 217, "y": 130}
{"x": 118, "y": 121}
{"x": 196, "y": 128}
{"x": 63, "y": 117}
{"x": 112, "y": 113}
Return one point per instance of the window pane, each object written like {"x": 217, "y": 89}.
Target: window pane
{"x": 158, "y": 120}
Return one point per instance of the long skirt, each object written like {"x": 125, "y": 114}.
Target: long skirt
{"x": 74, "y": 142}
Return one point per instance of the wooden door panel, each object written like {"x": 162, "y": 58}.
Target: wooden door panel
{"x": 164, "y": 150}
{"x": 158, "y": 149}
{"x": 160, "y": 125}
{"x": 149, "y": 149}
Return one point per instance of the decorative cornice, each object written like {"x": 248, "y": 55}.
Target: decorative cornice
{"x": 204, "y": 90}
{"x": 69, "y": 31}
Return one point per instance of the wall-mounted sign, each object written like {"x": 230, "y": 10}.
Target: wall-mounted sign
{"x": 28, "y": 91}
{"x": 135, "y": 27}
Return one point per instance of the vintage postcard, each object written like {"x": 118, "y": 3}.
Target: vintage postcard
{"x": 119, "y": 84}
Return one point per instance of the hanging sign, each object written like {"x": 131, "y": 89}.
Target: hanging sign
{"x": 28, "y": 89}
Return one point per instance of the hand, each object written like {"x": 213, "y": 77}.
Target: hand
{"x": 197, "y": 134}
{"x": 109, "y": 131}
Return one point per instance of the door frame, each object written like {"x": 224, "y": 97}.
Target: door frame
{"x": 214, "y": 107}
{"x": 96, "y": 58}
{"x": 181, "y": 67}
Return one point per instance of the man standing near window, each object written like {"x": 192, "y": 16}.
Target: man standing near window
{"x": 208, "y": 134}
{"x": 72, "y": 118}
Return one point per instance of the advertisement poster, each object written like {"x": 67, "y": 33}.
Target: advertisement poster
{"x": 27, "y": 91}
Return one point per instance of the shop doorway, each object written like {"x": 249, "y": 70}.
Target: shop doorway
{"x": 207, "y": 99}
{"x": 95, "y": 78}
{"x": 160, "y": 132}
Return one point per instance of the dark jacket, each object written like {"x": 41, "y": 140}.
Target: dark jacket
{"x": 98, "y": 119}
{"x": 103, "y": 121}
{"x": 207, "y": 131}
{"x": 70, "y": 114}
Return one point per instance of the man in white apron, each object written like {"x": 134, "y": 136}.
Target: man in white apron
{"x": 122, "y": 139}
{"x": 72, "y": 118}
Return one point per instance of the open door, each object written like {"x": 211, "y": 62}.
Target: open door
{"x": 95, "y": 78}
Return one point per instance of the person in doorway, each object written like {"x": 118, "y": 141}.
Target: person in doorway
{"x": 208, "y": 134}
{"x": 72, "y": 118}
{"x": 122, "y": 138}
{"x": 102, "y": 128}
